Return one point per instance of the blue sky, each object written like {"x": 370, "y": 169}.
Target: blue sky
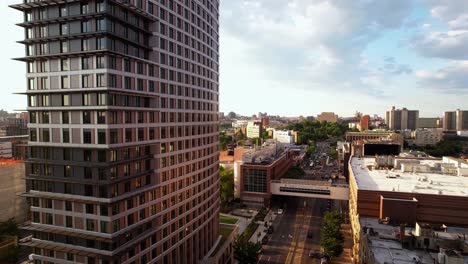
{"x": 302, "y": 57}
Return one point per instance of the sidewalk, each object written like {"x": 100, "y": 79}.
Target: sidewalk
{"x": 270, "y": 218}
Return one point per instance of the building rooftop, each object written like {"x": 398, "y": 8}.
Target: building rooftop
{"x": 435, "y": 180}
{"x": 386, "y": 248}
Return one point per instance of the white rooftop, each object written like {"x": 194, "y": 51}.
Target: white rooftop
{"x": 386, "y": 248}
{"x": 368, "y": 178}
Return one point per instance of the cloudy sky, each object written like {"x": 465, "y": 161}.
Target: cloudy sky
{"x": 302, "y": 57}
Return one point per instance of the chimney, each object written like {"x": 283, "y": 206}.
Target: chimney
{"x": 402, "y": 232}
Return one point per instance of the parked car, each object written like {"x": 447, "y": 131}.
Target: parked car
{"x": 270, "y": 230}
{"x": 264, "y": 240}
{"x": 280, "y": 211}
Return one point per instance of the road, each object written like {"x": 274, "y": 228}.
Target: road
{"x": 289, "y": 242}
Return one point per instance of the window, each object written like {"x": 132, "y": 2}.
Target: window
{"x": 139, "y": 68}
{"x": 64, "y": 65}
{"x": 42, "y": 83}
{"x": 100, "y": 7}
{"x": 87, "y": 136}
{"x": 102, "y": 98}
{"x": 45, "y": 100}
{"x": 32, "y": 117}
{"x": 69, "y": 222}
{"x": 151, "y": 86}
{"x": 112, "y": 80}
{"x": 43, "y": 31}
{"x": 101, "y": 117}
{"x": 66, "y": 135}
{"x": 90, "y": 224}
{"x": 84, "y": 8}
{"x": 100, "y": 24}
{"x": 63, "y": 11}
{"x": 86, "y": 99}
{"x": 30, "y": 67}
{"x": 85, "y": 63}
{"x": 30, "y": 83}
{"x": 66, "y": 100}
{"x": 100, "y": 62}
{"x": 101, "y": 136}
{"x": 45, "y": 135}
{"x": 139, "y": 84}
{"x": 86, "y": 117}
{"x": 101, "y": 80}
{"x": 85, "y": 45}
{"x": 33, "y": 135}
{"x": 64, "y": 82}
{"x": 43, "y": 13}
{"x": 85, "y": 79}
{"x": 66, "y": 172}
{"x": 42, "y": 66}
{"x": 63, "y": 29}
{"x": 100, "y": 43}
{"x": 65, "y": 117}
{"x": 64, "y": 47}
{"x": 127, "y": 66}
{"x": 127, "y": 83}
{"x": 45, "y": 117}
{"x": 66, "y": 153}
{"x": 113, "y": 63}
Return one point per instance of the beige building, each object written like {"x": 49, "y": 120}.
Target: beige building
{"x": 254, "y": 129}
{"x": 328, "y": 117}
{"x": 423, "y": 137}
{"x": 12, "y": 185}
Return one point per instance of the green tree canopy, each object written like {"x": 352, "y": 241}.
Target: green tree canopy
{"x": 246, "y": 252}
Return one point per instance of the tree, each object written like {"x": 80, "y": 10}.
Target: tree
{"x": 9, "y": 228}
{"x": 224, "y": 140}
{"x": 331, "y": 238}
{"x": 246, "y": 252}
{"x": 226, "y": 186}
{"x": 232, "y": 115}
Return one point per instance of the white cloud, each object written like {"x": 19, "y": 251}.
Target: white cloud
{"x": 450, "y": 79}
{"x": 314, "y": 44}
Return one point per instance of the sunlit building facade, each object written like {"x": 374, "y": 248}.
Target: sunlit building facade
{"x": 123, "y": 125}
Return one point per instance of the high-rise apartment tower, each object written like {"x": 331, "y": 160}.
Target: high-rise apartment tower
{"x": 456, "y": 120}
{"x": 402, "y": 119}
{"x": 123, "y": 109}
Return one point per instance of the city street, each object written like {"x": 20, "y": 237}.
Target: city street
{"x": 289, "y": 242}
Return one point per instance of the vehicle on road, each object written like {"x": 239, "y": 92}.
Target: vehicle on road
{"x": 270, "y": 230}
{"x": 280, "y": 211}
{"x": 264, "y": 240}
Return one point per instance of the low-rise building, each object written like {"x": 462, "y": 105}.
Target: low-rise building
{"x": 284, "y": 136}
{"x": 12, "y": 185}
{"x": 401, "y": 190}
{"x": 423, "y": 137}
{"x": 382, "y": 243}
{"x": 258, "y": 168}
{"x": 374, "y": 135}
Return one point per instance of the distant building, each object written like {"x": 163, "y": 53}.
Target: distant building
{"x": 12, "y": 185}
{"x": 402, "y": 119}
{"x": 284, "y": 136}
{"x": 17, "y": 126}
{"x": 328, "y": 117}
{"x": 374, "y": 135}
{"x": 456, "y": 120}
{"x": 431, "y": 122}
{"x": 423, "y": 137}
{"x": 364, "y": 123}
{"x": 14, "y": 147}
{"x": 254, "y": 129}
